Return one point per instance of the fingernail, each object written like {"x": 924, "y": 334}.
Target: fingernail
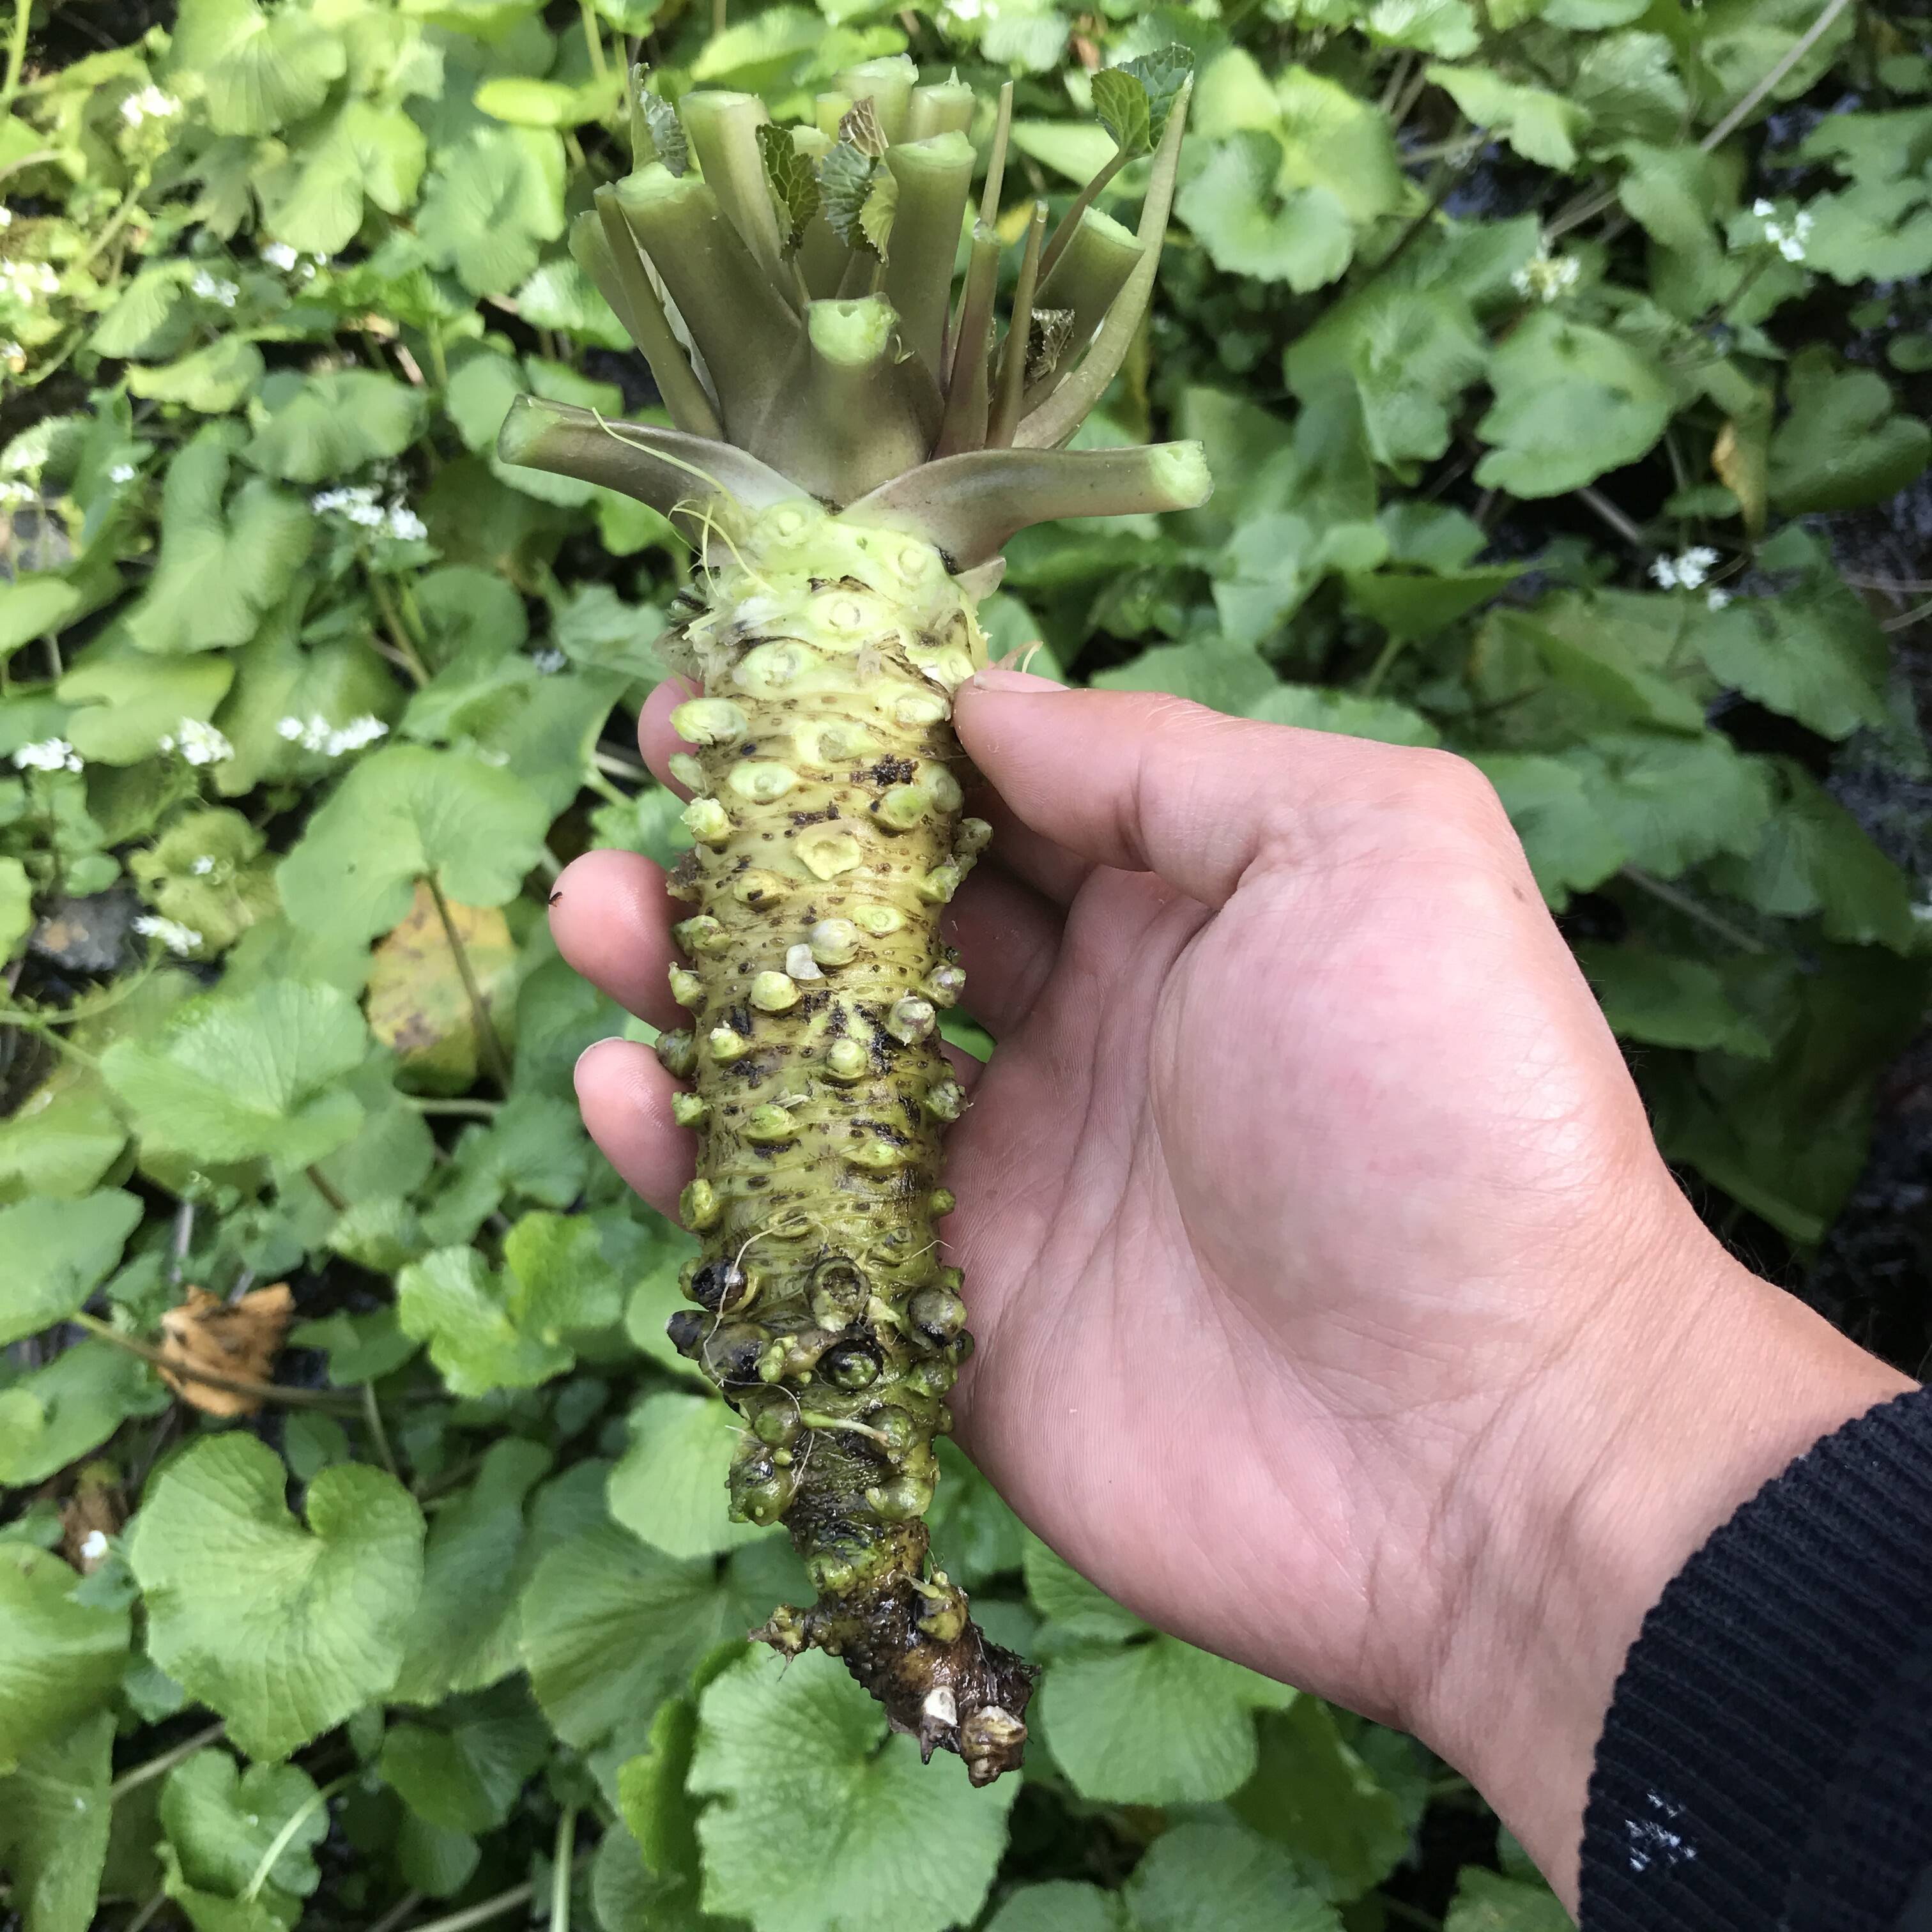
{"x": 997, "y": 677}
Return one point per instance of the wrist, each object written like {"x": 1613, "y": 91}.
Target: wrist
{"x": 1692, "y": 1384}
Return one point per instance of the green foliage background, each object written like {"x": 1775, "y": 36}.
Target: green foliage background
{"x": 1536, "y": 344}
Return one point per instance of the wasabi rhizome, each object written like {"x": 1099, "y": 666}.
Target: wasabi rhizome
{"x": 855, "y": 440}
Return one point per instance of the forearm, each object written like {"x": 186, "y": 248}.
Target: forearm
{"x": 1700, "y": 1385}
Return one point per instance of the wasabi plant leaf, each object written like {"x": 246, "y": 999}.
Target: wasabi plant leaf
{"x": 1571, "y": 402}
{"x": 55, "y": 1817}
{"x": 491, "y": 204}
{"x": 55, "y": 1414}
{"x": 315, "y": 426}
{"x": 283, "y": 1626}
{"x": 462, "y": 1634}
{"x": 243, "y": 1076}
{"x": 406, "y": 813}
{"x": 1219, "y": 1878}
{"x": 1540, "y": 126}
{"x": 794, "y": 186}
{"x": 611, "y": 1627}
{"x": 222, "y": 1820}
{"x": 259, "y": 70}
{"x": 795, "y": 1754}
{"x": 1313, "y": 1794}
{"x": 845, "y": 178}
{"x": 1667, "y": 1001}
{"x": 223, "y": 561}
{"x": 669, "y": 1486}
{"x": 1154, "y": 1721}
{"x": 463, "y": 1772}
{"x": 57, "y": 1252}
{"x": 462, "y": 1308}
{"x": 60, "y": 1659}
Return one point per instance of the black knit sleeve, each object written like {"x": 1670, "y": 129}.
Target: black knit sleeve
{"x": 1766, "y": 1765}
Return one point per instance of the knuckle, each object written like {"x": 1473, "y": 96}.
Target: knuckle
{"x": 1456, "y": 790}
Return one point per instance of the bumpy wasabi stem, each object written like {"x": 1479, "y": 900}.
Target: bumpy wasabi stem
{"x": 829, "y": 836}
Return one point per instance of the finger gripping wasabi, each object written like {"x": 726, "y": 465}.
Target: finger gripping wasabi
{"x": 854, "y": 439}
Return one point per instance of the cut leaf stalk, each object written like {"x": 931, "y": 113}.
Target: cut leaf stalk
{"x": 845, "y": 531}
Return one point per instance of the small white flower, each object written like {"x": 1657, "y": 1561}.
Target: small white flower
{"x": 12, "y": 353}
{"x": 1716, "y": 600}
{"x": 94, "y": 1546}
{"x": 1687, "y": 572}
{"x": 16, "y": 495}
{"x": 1545, "y": 278}
{"x": 405, "y": 526}
{"x": 548, "y": 660}
{"x": 24, "y": 280}
{"x": 1787, "y": 239}
{"x": 280, "y": 255}
{"x": 180, "y": 940}
{"x": 315, "y": 734}
{"x": 356, "y": 734}
{"x": 202, "y": 866}
{"x": 121, "y": 473}
{"x": 6, "y": 217}
{"x": 199, "y": 743}
{"x": 49, "y": 754}
{"x": 214, "y": 288}
{"x": 150, "y": 104}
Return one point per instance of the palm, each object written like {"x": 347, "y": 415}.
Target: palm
{"x": 1214, "y": 1186}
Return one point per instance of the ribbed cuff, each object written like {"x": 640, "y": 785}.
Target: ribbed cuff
{"x": 1758, "y": 1689}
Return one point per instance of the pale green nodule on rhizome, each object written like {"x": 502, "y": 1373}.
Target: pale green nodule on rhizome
{"x": 855, "y": 440}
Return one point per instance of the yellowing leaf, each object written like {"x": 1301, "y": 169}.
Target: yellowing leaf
{"x": 417, "y": 1001}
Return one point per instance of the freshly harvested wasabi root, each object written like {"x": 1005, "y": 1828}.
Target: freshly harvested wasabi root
{"x": 853, "y": 446}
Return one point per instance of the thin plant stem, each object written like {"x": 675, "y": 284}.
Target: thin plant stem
{"x": 488, "y": 1044}
{"x": 145, "y": 1917}
{"x": 1379, "y": 670}
{"x": 621, "y": 768}
{"x": 468, "y": 1110}
{"x": 1411, "y": 1914}
{"x": 159, "y": 1767}
{"x": 1600, "y": 506}
{"x": 490, "y": 1908}
{"x": 593, "y": 38}
{"x": 291, "y": 1398}
{"x": 1692, "y": 909}
{"x": 397, "y": 1912}
{"x": 1082, "y": 201}
{"x": 372, "y": 1413}
{"x": 326, "y": 1188}
{"x": 719, "y": 14}
{"x": 1805, "y": 42}
{"x": 44, "y": 1029}
{"x": 286, "y": 1836}
{"x": 405, "y": 651}
{"x": 16, "y": 52}
{"x": 562, "y": 1870}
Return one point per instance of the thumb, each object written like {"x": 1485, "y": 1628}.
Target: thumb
{"x": 1150, "y": 783}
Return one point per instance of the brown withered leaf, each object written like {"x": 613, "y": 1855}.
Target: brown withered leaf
{"x": 239, "y": 1340}
{"x": 94, "y": 1512}
{"x": 417, "y": 1003}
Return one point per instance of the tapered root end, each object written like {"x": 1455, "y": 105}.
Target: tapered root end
{"x": 941, "y": 1679}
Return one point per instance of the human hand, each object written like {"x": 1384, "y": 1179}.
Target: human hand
{"x": 1335, "y": 1309}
